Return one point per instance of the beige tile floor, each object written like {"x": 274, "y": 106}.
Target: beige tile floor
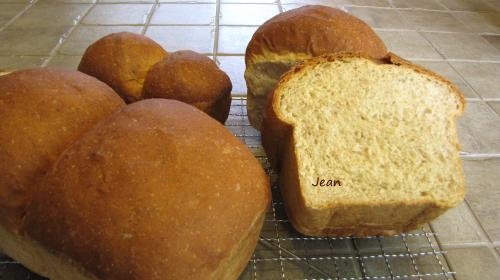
{"x": 459, "y": 39}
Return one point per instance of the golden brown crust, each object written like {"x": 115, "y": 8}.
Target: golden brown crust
{"x": 122, "y": 61}
{"x": 192, "y": 78}
{"x": 157, "y": 189}
{"x": 43, "y": 111}
{"x": 277, "y": 141}
{"x": 314, "y": 30}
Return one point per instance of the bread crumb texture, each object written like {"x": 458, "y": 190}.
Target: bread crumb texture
{"x": 386, "y": 132}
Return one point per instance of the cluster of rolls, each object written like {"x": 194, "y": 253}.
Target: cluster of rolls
{"x": 137, "y": 68}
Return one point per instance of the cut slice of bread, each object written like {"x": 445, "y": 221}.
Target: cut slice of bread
{"x": 380, "y": 133}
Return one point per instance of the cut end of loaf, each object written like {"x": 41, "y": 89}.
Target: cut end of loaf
{"x": 370, "y": 133}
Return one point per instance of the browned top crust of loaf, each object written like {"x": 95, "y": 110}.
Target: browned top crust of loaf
{"x": 122, "y": 61}
{"x": 275, "y": 131}
{"x": 192, "y": 78}
{"x": 314, "y": 30}
{"x": 158, "y": 190}
{"x": 43, "y": 111}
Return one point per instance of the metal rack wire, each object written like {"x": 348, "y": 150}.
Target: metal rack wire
{"x": 282, "y": 253}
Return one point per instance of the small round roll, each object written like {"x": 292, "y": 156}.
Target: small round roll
{"x": 192, "y": 78}
{"x": 122, "y": 61}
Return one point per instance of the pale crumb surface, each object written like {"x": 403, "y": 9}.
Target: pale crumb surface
{"x": 385, "y": 131}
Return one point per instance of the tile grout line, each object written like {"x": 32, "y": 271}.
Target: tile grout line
{"x": 65, "y": 36}
{"x": 215, "y": 47}
{"x": 481, "y": 227}
{"x": 280, "y": 6}
{"x": 444, "y": 57}
{"x": 156, "y": 4}
{"x": 18, "y": 15}
{"x": 465, "y": 80}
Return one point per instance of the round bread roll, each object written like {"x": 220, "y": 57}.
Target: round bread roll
{"x": 43, "y": 111}
{"x": 192, "y": 78}
{"x": 158, "y": 190}
{"x": 295, "y": 36}
{"x": 122, "y": 61}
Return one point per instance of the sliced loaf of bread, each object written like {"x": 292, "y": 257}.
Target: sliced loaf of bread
{"x": 364, "y": 146}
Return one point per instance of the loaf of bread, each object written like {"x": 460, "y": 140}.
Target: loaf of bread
{"x": 298, "y": 35}
{"x": 42, "y": 112}
{"x": 154, "y": 190}
{"x": 364, "y": 146}
{"x": 122, "y": 61}
{"x": 192, "y": 78}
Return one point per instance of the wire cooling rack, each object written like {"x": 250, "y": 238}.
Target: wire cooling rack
{"x": 282, "y": 253}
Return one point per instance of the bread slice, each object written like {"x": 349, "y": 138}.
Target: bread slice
{"x": 381, "y": 133}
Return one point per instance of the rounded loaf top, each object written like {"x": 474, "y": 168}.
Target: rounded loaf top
{"x": 122, "y": 61}
{"x": 43, "y": 111}
{"x": 314, "y": 30}
{"x": 157, "y": 189}
{"x": 192, "y": 78}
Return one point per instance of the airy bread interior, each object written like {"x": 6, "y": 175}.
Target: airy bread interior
{"x": 380, "y": 132}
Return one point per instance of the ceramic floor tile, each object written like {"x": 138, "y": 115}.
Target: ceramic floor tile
{"x": 234, "y": 66}
{"x": 184, "y": 14}
{"x": 483, "y": 77}
{"x": 379, "y": 18}
{"x": 495, "y": 4}
{"x": 494, "y": 40}
{"x": 65, "y": 61}
{"x": 9, "y": 11}
{"x": 445, "y": 70}
{"x": 246, "y": 14}
{"x": 458, "y": 226}
{"x": 126, "y": 1}
{"x": 408, "y": 44}
{"x": 16, "y": 1}
{"x": 70, "y": 1}
{"x": 84, "y": 35}
{"x": 433, "y": 21}
{"x": 234, "y": 39}
{"x": 466, "y": 5}
{"x": 495, "y": 106}
{"x": 20, "y": 62}
{"x": 187, "y": 1}
{"x": 32, "y": 41}
{"x": 42, "y": 15}
{"x": 298, "y": 3}
{"x": 118, "y": 14}
{"x": 173, "y": 38}
{"x": 479, "y": 129}
{"x": 421, "y": 4}
{"x": 480, "y": 22}
{"x": 474, "y": 263}
{"x": 366, "y": 3}
{"x": 483, "y": 194}
{"x": 249, "y": 1}
{"x": 462, "y": 46}
{"x": 338, "y": 3}
{"x": 288, "y": 7}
